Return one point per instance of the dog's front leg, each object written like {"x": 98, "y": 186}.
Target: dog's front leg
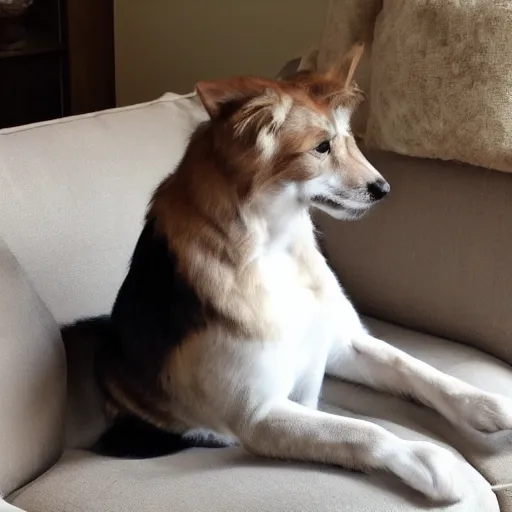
{"x": 368, "y": 360}
{"x": 287, "y": 430}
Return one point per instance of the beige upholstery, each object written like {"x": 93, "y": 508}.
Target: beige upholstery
{"x": 72, "y": 196}
{"x": 225, "y": 480}
{"x": 505, "y": 499}
{"x": 77, "y": 190}
{"x": 435, "y": 255}
{"x": 32, "y": 380}
{"x": 216, "y": 480}
{"x": 441, "y": 81}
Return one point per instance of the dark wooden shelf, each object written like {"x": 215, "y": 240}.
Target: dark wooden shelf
{"x": 65, "y": 66}
{"x": 35, "y": 44}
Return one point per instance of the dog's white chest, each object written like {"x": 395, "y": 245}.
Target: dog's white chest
{"x": 294, "y": 361}
{"x": 297, "y": 305}
{"x": 291, "y": 296}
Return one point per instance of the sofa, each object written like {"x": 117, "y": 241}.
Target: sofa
{"x": 429, "y": 269}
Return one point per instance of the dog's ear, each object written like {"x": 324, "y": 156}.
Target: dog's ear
{"x": 350, "y": 63}
{"x": 215, "y": 94}
{"x": 334, "y": 85}
{"x": 344, "y": 91}
{"x": 309, "y": 60}
{"x": 260, "y": 112}
{"x": 343, "y": 72}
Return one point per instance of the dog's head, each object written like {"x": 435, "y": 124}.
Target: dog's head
{"x": 295, "y": 133}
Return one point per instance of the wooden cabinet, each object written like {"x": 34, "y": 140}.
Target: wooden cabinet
{"x": 65, "y": 65}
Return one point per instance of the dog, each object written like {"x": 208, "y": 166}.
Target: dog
{"x": 229, "y": 316}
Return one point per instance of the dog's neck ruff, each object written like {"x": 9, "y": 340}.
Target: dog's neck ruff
{"x": 276, "y": 220}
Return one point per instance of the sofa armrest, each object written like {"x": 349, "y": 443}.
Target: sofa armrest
{"x": 32, "y": 380}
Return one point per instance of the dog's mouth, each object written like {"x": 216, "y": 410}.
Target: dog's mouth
{"x": 340, "y": 207}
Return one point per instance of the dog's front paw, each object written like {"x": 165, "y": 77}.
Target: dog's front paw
{"x": 484, "y": 412}
{"x": 432, "y": 470}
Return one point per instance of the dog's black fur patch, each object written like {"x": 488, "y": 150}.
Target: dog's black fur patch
{"x": 155, "y": 310}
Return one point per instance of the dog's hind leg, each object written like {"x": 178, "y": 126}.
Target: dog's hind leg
{"x": 375, "y": 363}
{"x": 287, "y": 430}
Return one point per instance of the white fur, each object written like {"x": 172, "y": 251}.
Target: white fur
{"x": 342, "y": 119}
{"x": 265, "y": 392}
{"x": 266, "y": 141}
{"x": 282, "y": 110}
{"x": 267, "y": 144}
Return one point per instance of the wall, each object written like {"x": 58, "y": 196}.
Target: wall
{"x": 166, "y": 45}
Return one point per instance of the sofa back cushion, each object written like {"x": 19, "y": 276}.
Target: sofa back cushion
{"x": 436, "y": 254}
{"x": 32, "y": 380}
{"x": 73, "y": 194}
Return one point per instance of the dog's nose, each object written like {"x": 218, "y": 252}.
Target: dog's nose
{"x": 378, "y": 189}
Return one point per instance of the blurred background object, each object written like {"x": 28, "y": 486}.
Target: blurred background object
{"x": 56, "y": 59}
{"x": 63, "y": 57}
{"x": 12, "y": 29}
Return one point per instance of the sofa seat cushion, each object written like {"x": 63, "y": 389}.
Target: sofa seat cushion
{"x": 225, "y": 480}
{"x": 230, "y": 479}
{"x": 505, "y": 498}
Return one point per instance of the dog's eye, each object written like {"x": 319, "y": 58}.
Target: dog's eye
{"x": 323, "y": 147}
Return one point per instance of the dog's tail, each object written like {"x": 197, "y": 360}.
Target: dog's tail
{"x": 128, "y": 436}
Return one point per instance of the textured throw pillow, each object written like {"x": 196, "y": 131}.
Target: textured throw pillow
{"x": 349, "y": 22}
{"x": 442, "y": 81}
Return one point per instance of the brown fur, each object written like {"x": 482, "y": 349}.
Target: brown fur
{"x": 202, "y": 210}
{"x": 198, "y": 206}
